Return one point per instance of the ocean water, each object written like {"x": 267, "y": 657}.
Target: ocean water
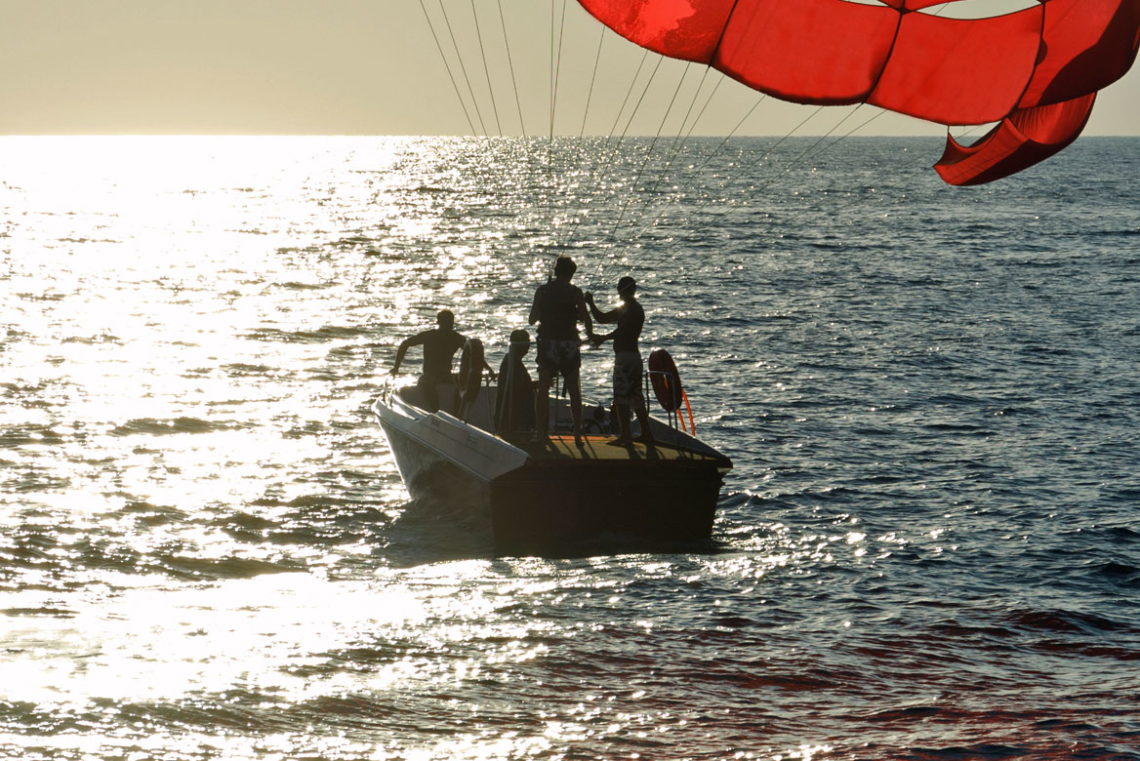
{"x": 929, "y": 547}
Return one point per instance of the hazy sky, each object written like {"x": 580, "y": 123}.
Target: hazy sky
{"x": 361, "y": 67}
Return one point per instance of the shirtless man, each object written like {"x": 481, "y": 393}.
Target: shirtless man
{"x": 630, "y": 318}
{"x": 440, "y": 346}
{"x": 558, "y": 308}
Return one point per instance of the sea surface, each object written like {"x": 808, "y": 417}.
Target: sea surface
{"x": 929, "y": 548}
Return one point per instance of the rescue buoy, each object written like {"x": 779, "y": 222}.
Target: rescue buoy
{"x": 667, "y": 387}
{"x": 665, "y": 379}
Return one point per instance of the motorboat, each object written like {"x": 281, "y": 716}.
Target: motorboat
{"x": 549, "y": 493}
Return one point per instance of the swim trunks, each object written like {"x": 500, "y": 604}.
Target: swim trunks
{"x": 559, "y": 356}
{"x": 627, "y": 378}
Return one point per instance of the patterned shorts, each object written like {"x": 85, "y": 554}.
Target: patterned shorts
{"x": 559, "y": 356}
{"x": 627, "y": 378}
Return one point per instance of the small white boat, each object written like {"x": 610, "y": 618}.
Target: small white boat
{"x": 547, "y": 494}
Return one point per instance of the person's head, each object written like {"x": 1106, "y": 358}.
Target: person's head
{"x": 520, "y": 342}
{"x": 626, "y": 287}
{"x": 565, "y": 267}
{"x": 445, "y": 319}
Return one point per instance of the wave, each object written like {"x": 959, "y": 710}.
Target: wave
{"x": 326, "y": 333}
{"x": 161, "y": 427}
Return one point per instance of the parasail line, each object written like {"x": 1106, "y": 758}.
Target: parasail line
{"x": 486, "y": 69}
{"x": 788, "y": 165}
{"x": 641, "y": 99}
{"x": 682, "y": 136}
{"x": 447, "y": 65}
{"x": 649, "y": 151}
{"x": 463, "y": 68}
{"x": 511, "y": 66}
{"x": 730, "y": 135}
{"x": 555, "y": 61}
{"x": 628, "y": 92}
{"x": 712, "y": 154}
{"x": 608, "y": 165}
{"x": 705, "y": 106}
{"x": 611, "y": 155}
{"x": 593, "y": 79}
{"x": 794, "y": 129}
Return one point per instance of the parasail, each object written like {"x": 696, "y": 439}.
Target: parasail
{"x": 1033, "y": 71}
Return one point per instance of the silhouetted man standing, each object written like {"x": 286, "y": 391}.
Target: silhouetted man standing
{"x": 558, "y": 308}
{"x": 630, "y": 318}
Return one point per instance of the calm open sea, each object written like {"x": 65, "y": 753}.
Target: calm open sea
{"x": 929, "y": 548}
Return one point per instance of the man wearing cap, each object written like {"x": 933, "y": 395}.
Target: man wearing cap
{"x": 558, "y": 308}
{"x": 629, "y": 318}
{"x": 514, "y": 403}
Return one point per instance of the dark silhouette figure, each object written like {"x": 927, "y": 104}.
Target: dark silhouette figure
{"x": 514, "y": 402}
{"x": 440, "y": 345}
{"x": 630, "y": 319}
{"x": 558, "y": 308}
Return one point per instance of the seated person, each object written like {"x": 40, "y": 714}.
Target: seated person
{"x": 514, "y": 403}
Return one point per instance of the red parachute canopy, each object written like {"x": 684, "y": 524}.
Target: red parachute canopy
{"x": 1034, "y": 71}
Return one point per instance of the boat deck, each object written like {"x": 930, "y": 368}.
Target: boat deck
{"x": 603, "y": 448}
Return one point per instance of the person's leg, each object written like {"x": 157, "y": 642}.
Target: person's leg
{"x": 621, "y": 411}
{"x": 643, "y": 420}
{"x": 429, "y": 392}
{"x": 542, "y": 402}
{"x": 574, "y": 387}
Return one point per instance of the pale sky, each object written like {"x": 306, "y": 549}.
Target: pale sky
{"x": 365, "y": 67}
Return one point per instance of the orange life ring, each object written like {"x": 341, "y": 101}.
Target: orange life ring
{"x": 665, "y": 379}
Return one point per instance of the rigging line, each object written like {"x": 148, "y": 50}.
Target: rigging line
{"x": 556, "y": 74}
{"x": 788, "y": 166}
{"x": 511, "y": 65}
{"x": 463, "y": 68}
{"x": 852, "y": 131}
{"x": 641, "y": 99}
{"x": 649, "y": 153}
{"x": 682, "y": 136}
{"x": 486, "y": 68}
{"x": 607, "y": 163}
{"x": 628, "y": 92}
{"x": 693, "y": 103}
{"x": 447, "y": 65}
{"x": 732, "y": 134}
{"x": 550, "y": 73}
{"x": 593, "y": 79}
{"x": 712, "y": 154}
{"x": 558, "y": 68}
{"x": 781, "y": 141}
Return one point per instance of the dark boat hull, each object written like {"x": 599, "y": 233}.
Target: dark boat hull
{"x": 552, "y": 497}
{"x": 552, "y": 509}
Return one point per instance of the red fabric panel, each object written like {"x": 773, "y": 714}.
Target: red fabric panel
{"x": 685, "y": 29}
{"x": 1026, "y": 138}
{"x": 808, "y": 51}
{"x": 960, "y": 71}
{"x": 915, "y": 5}
{"x": 1088, "y": 45}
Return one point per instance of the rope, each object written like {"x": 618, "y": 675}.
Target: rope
{"x": 712, "y": 154}
{"x": 593, "y": 78}
{"x": 511, "y": 65}
{"x": 463, "y": 68}
{"x": 608, "y": 162}
{"x": 447, "y": 65}
{"x": 486, "y": 69}
{"x": 649, "y": 152}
